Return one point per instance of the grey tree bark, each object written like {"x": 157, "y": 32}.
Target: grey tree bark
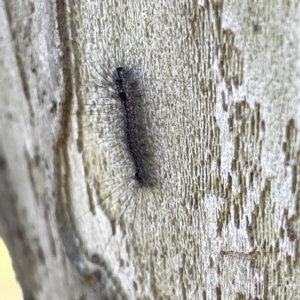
{"x": 220, "y": 85}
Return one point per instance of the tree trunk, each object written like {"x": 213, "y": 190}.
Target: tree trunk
{"x": 218, "y": 216}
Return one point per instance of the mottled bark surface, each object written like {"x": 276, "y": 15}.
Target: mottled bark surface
{"x": 220, "y": 85}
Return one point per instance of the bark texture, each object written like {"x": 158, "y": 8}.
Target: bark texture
{"x": 221, "y": 111}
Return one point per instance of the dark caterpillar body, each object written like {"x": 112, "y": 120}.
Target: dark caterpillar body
{"x": 123, "y": 87}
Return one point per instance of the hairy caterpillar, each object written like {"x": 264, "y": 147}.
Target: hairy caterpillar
{"x": 116, "y": 125}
